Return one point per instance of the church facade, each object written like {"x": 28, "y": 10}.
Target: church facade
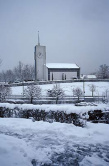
{"x": 52, "y": 71}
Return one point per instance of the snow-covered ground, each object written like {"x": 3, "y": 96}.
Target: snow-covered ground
{"x": 101, "y": 87}
{"x": 56, "y": 144}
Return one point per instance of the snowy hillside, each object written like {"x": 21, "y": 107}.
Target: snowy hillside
{"x": 101, "y": 87}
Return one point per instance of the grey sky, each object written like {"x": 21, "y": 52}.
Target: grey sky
{"x": 74, "y": 31}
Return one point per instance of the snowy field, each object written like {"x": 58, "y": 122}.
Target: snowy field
{"x": 101, "y": 87}
{"x": 56, "y": 144}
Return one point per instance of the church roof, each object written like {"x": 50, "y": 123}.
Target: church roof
{"x": 62, "y": 65}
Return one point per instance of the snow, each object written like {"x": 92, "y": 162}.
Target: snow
{"x": 91, "y": 76}
{"x": 13, "y": 151}
{"x": 61, "y": 65}
{"x": 101, "y": 87}
{"x": 56, "y": 144}
{"x": 67, "y": 108}
{"x": 22, "y": 140}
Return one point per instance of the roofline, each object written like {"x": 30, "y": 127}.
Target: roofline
{"x": 63, "y": 67}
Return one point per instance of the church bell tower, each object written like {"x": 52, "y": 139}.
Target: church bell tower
{"x": 40, "y": 61}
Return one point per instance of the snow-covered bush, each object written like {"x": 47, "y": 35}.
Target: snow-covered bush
{"x": 32, "y": 91}
{"x": 51, "y": 116}
{"x": 97, "y": 116}
{"x": 6, "y": 112}
{"x": 56, "y": 92}
{"x": 4, "y": 91}
{"x": 76, "y": 118}
{"x": 77, "y": 92}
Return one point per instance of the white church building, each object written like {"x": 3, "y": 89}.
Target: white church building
{"x": 52, "y": 71}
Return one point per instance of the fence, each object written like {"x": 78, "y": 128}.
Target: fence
{"x": 52, "y": 100}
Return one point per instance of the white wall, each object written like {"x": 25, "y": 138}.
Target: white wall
{"x": 58, "y": 75}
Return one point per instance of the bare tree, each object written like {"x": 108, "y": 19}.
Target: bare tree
{"x": 32, "y": 91}
{"x": 28, "y": 72}
{"x": 7, "y": 76}
{"x": 4, "y": 91}
{"x": 77, "y": 92}
{"x": 56, "y": 91}
{"x": 3, "y": 77}
{"x": 10, "y": 76}
{"x": 105, "y": 95}
{"x": 92, "y": 88}
{"x": 18, "y": 71}
{"x": 103, "y": 71}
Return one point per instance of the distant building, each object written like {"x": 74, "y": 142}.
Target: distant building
{"x": 88, "y": 76}
{"x": 91, "y": 76}
{"x": 62, "y": 71}
{"x": 52, "y": 71}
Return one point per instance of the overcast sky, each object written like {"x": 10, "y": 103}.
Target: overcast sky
{"x": 73, "y": 31}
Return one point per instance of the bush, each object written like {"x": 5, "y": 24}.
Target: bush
{"x": 38, "y": 115}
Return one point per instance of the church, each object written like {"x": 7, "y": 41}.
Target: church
{"x": 52, "y": 71}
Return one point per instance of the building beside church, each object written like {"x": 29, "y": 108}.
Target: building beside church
{"x": 52, "y": 71}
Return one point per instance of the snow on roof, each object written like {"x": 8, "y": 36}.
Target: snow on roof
{"x": 88, "y": 76}
{"x": 91, "y": 76}
{"x": 62, "y": 65}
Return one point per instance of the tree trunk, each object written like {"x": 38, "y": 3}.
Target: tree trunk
{"x": 57, "y": 100}
{"x": 31, "y": 100}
